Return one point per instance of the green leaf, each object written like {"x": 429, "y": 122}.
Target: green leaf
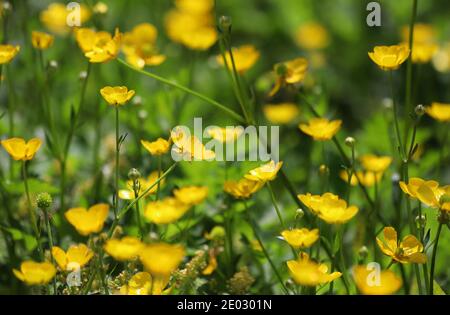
{"x": 30, "y": 242}
{"x": 437, "y": 290}
{"x": 16, "y": 234}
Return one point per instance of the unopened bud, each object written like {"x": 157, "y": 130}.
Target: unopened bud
{"x": 53, "y": 64}
{"x": 225, "y": 22}
{"x": 83, "y": 75}
{"x": 137, "y": 100}
{"x": 100, "y": 8}
{"x": 44, "y": 200}
{"x": 7, "y": 7}
{"x": 421, "y": 221}
{"x": 323, "y": 169}
{"x": 444, "y": 217}
{"x": 363, "y": 252}
{"x": 388, "y": 103}
{"x": 350, "y": 142}
{"x": 299, "y": 214}
{"x": 134, "y": 174}
{"x": 419, "y": 110}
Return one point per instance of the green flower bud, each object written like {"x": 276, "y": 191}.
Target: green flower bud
{"x": 299, "y": 214}
{"x": 44, "y": 200}
{"x": 421, "y": 221}
{"x": 363, "y": 252}
{"x": 134, "y": 174}
{"x": 350, "y": 142}
{"x": 225, "y": 22}
{"x": 419, "y": 110}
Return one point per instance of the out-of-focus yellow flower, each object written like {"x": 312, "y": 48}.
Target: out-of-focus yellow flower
{"x": 312, "y": 36}
{"x": 242, "y": 189}
{"x": 35, "y": 273}
{"x": 266, "y": 172}
{"x": 192, "y": 24}
{"x": 439, "y": 111}
{"x": 100, "y": 8}
{"x": 139, "y": 46}
{"x": 124, "y": 249}
{"x": 41, "y": 40}
{"x": 161, "y": 259}
{"x": 441, "y": 59}
{"x": 99, "y": 47}
{"x": 409, "y": 250}
{"x": 21, "y": 150}
{"x": 56, "y": 18}
{"x": 389, "y": 57}
{"x": 212, "y": 263}
{"x": 142, "y": 283}
{"x": 367, "y": 179}
{"x": 144, "y": 184}
{"x": 165, "y": 211}
{"x": 159, "y": 147}
{"x": 376, "y": 164}
{"x": 423, "y": 53}
{"x": 190, "y": 147}
{"x": 289, "y": 72}
{"x": 423, "y": 33}
{"x": 191, "y": 195}
{"x": 75, "y": 258}
{"x": 88, "y": 221}
{"x": 7, "y": 53}
{"x": 117, "y": 95}
{"x": 244, "y": 58}
{"x": 306, "y": 272}
{"x": 428, "y": 192}
{"x": 283, "y": 113}
{"x": 329, "y": 207}
{"x": 228, "y": 134}
{"x": 384, "y": 283}
{"x": 321, "y": 129}
{"x": 300, "y": 238}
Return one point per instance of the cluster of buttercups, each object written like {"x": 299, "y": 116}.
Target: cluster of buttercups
{"x": 159, "y": 259}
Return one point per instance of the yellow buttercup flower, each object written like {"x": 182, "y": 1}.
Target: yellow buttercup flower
{"x": 190, "y": 147}
{"x": 289, "y": 72}
{"x": 139, "y": 46}
{"x": 159, "y": 147}
{"x": 142, "y": 283}
{"x": 389, "y": 57}
{"x": 35, "y": 273}
{"x": 300, "y": 238}
{"x": 21, "y": 150}
{"x": 321, "y": 129}
{"x": 439, "y": 111}
{"x": 283, "y": 113}
{"x": 88, "y": 221}
{"x": 127, "y": 248}
{"x": 367, "y": 179}
{"x": 428, "y": 192}
{"x": 441, "y": 60}
{"x": 312, "y": 36}
{"x": 244, "y": 58}
{"x": 329, "y": 207}
{"x": 117, "y": 95}
{"x": 192, "y": 25}
{"x": 7, "y": 53}
{"x": 161, "y": 259}
{"x": 144, "y": 184}
{"x": 266, "y": 172}
{"x": 99, "y": 47}
{"x": 423, "y": 33}
{"x": 228, "y": 134}
{"x": 55, "y": 17}
{"x": 75, "y": 258}
{"x": 376, "y": 164}
{"x": 191, "y": 195}
{"x": 242, "y": 189}
{"x": 409, "y": 250}
{"x": 385, "y": 283}
{"x": 306, "y": 272}
{"x": 41, "y": 40}
{"x": 165, "y": 211}
{"x": 423, "y": 53}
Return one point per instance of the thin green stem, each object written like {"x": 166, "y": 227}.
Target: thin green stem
{"x": 116, "y": 180}
{"x": 31, "y": 212}
{"x": 396, "y": 120}
{"x": 158, "y": 188}
{"x": 433, "y": 257}
{"x": 266, "y": 254}
{"x": 50, "y": 241}
{"x": 222, "y": 107}
{"x": 274, "y": 202}
{"x": 136, "y": 189}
